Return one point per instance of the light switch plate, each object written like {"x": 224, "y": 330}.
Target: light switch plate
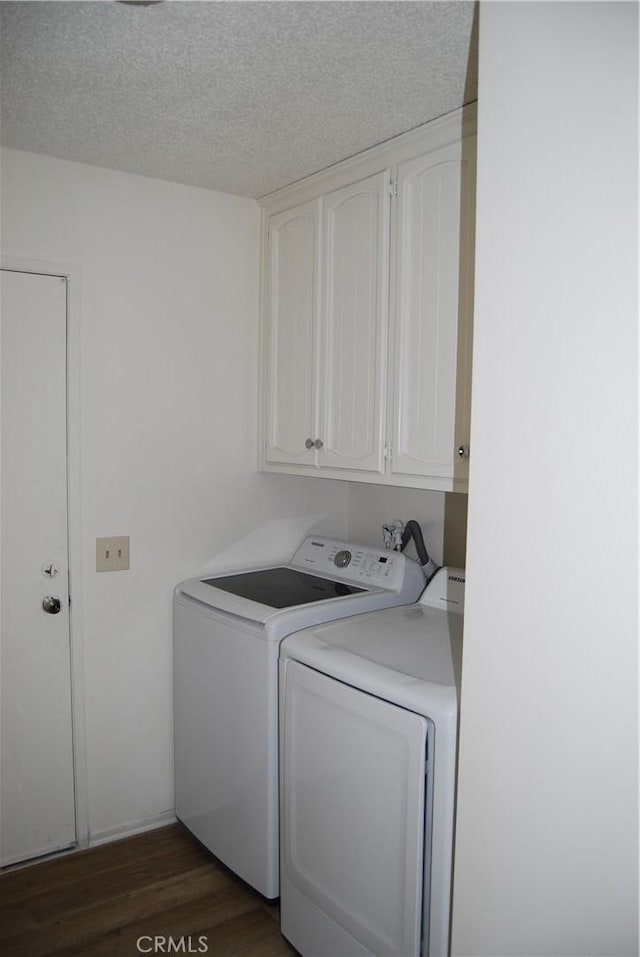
{"x": 112, "y": 554}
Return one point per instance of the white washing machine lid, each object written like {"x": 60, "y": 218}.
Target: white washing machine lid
{"x": 409, "y": 655}
{"x": 350, "y": 579}
{"x": 257, "y": 582}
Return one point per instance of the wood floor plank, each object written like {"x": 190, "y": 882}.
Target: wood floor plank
{"x": 75, "y": 926}
{"x": 103, "y": 885}
{"x": 190, "y": 920}
{"x": 101, "y": 902}
{"x": 252, "y": 935}
{"x": 49, "y": 874}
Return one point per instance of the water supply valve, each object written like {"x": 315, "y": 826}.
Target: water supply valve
{"x": 392, "y": 535}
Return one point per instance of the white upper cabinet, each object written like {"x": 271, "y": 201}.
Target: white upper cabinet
{"x": 290, "y": 373}
{"x": 367, "y": 314}
{"x": 353, "y": 344}
{"x": 433, "y": 313}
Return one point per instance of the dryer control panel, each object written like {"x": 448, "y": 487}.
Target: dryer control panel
{"x": 344, "y": 561}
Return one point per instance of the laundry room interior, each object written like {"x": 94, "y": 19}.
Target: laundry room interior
{"x": 150, "y": 192}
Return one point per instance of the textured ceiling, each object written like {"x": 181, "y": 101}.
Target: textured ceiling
{"x": 236, "y": 96}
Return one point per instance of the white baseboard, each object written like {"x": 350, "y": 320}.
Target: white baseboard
{"x": 135, "y": 827}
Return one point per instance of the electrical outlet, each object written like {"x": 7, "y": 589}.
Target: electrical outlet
{"x": 112, "y": 554}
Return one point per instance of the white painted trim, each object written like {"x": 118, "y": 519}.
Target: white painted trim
{"x": 263, "y": 305}
{"x": 104, "y": 837}
{"x": 135, "y": 827}
{"x": 429, "y": 136}
{"x": 72, "y": 274}
{"x": 432, "y": 483}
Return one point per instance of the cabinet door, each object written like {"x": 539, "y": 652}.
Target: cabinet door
{"x": 433, "y": 306}
{"x": 352, "y": 362}
{"x": 290, "y": 373}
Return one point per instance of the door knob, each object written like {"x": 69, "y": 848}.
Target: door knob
{"x": 309, "y": 444}
{"x": 51, "y": 604}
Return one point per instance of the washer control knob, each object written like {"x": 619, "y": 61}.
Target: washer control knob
{"x": 342, "y": 558}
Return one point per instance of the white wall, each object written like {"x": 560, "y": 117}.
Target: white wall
{"x": 372, "y": 505}
{"x": 443, "y": 518}
{"x": 547, "y": 842}
{"x": 168, "y": 403}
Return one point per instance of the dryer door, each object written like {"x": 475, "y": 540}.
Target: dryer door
{"x": 353, "y": 791}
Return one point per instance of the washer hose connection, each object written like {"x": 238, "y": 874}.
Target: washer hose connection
{"x": 413, "y": 531}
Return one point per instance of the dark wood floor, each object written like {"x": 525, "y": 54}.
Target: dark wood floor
{"x": 111, "y": 900}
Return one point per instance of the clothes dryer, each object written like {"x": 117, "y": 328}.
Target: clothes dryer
{"x": 368, "y": 733}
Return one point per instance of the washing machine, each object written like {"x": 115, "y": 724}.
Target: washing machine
{"x": 368, "y": 735}
{"x": 227, "y": 631}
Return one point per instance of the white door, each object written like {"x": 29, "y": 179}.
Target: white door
{"x": 353, "y": 809}
{"x": 291, "y": 336}
{"x": 37, "y": 809}
{"x": 355, "y": 227}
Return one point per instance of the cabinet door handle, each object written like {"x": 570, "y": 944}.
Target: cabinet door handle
{"x": 463, "y": 451}
{"x": 309, "y": 444}
{"x": 318, "y": 443}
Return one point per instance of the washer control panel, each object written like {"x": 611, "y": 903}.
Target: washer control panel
{"x": 344, "y": 561}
